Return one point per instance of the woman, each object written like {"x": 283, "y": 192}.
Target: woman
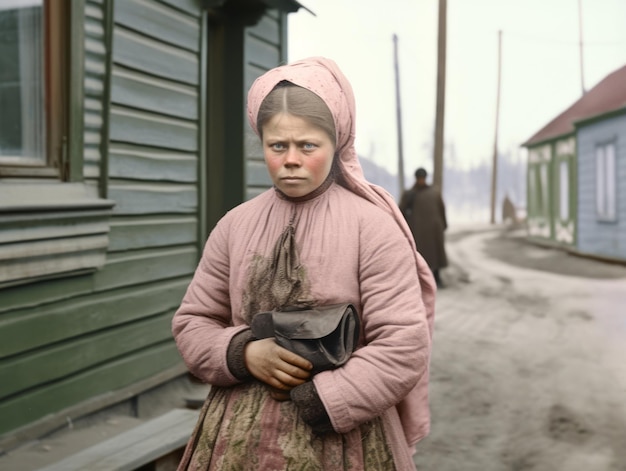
{"x": 321, "y": 236}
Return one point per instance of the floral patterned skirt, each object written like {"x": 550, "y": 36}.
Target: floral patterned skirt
{"x": 243, "y": 429}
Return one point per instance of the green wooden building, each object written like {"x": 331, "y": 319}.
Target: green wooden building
{"x": 573, "y": 178}
{"x": 123, "y": 140}
{"x": 551, "y": 190}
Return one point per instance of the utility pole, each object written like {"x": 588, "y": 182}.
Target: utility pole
{"x": 580, "y": 44}
{"x": 441, "y": 98}
{"x": 494, "y": 170}
{"x": 398, "y": 115}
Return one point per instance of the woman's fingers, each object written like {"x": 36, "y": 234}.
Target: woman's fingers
{"x": 294, "y": 360}
{"x": 275, "y": 365}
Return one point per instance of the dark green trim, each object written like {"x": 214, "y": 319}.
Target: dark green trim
{"x": 574, "y": 190}
{"x": 289, "y": 6}
{"x": 214, "y": 124}
{"x": 550, "y": 140}
{"x": 109, "y": 22}
{"x": 234, "y": 117}
{"x": 225, "y": 119}
{"x": 76, "y": 92}
{"x": 202, "y": 136}
{"x": 284, "y": 38}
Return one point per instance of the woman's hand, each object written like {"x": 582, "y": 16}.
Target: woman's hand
{"x": 276, "y": 366}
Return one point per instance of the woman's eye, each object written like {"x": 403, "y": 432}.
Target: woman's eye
{"x": 309, "y": 146}
{"x": 277, "y": 146}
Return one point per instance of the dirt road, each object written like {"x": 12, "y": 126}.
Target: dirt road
{"x": 529, "y": 362}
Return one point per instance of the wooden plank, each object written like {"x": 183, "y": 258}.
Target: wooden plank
{"x": 141, "y": 92}
{"x": 251, "y": 73}
{"x": 140, "y": 53}
{"x": 154, "y": 265}
{"x": 160, "y": 22}
{"x": 190, "y": 6}
{"x": 94, "y": 47}
{"x": 135, "y": 447}
{"x": 128, "y": 234}
{"x": 35, "y": 404}
{"x": 94, "y": 66}
{"x": 92, "y": 158}
{"x": 147, "y": 446}
{"x": 92, "y": 138}
{"x": 93, "y": 105}
{"x": 130, "y": 162}
{"x": 19, "y": 297}
{"x": 93, "y": 10}
{"x": 147, "y": 129}
{"x": 256, "y": 174}
{"x": 93, "y": 86}
{"x": 37, "y": 268}
{"x": 60, "y": 360}
{"x": 42, "y": 248}
{"x": 55, "y": 225}
{"x": 93, "y": 121}
{"x": 20, "y": 196}
{"x": 261, "y": 53}
{"x": 38, "y": 324}
{"x": 252, "y": 145}
{"x": 153, "y": 198}
{"x": 50, "y": 257}
{"x": 94, "y": 29}
{"x": 267, "y": 29}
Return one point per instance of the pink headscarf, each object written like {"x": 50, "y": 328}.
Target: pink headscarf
{"x": 323, "y": 77}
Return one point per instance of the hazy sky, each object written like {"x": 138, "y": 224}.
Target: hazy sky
{"x": 540, "y": 67}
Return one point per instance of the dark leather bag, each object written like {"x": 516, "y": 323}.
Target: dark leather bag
{"x": 325, "y": 335}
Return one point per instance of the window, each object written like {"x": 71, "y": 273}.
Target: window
{"x": 532, "y": 190}
{"x": 543, "y": 188}
{"x": 564, "y": 190}
{"x": 605, "y": 182}
{"x": 56, "y": 225}
{"x": 32, "y": 66}
{"x": 539, "y": 189}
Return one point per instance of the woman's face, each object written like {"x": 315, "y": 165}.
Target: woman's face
{"x": 298, "y": 155}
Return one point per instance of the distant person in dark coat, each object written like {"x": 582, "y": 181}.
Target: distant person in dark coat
{"x": 425, "y": 212}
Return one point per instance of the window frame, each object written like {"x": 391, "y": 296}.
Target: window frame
{"x": 606, "y": 182}
{"x": 52, "y": 197}
{"x": 56, "y": 35}
{"x": 564, "y": 190}
{"x": 540, "y": 189}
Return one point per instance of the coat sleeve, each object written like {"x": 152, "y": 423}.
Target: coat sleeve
{"x": 202, "y": 325}
{"x": 442, "y": 212}
{"x": 397, "y": 341}
{"x": 406, "y": 203}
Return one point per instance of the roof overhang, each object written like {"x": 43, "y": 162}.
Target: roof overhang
{"x": 289, "y": 6}
{"x": 249, "y": 12}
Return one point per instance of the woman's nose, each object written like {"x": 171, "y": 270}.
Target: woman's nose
{"x": 292, "y": 157}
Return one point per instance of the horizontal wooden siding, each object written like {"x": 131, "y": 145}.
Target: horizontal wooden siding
{"x": 69, "y": 340}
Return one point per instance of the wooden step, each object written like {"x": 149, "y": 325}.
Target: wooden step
{"x": 146, "y": 443}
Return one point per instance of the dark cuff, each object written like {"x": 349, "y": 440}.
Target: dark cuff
{"x": 311, "y": 408}
{"x": 235, "y": 357}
